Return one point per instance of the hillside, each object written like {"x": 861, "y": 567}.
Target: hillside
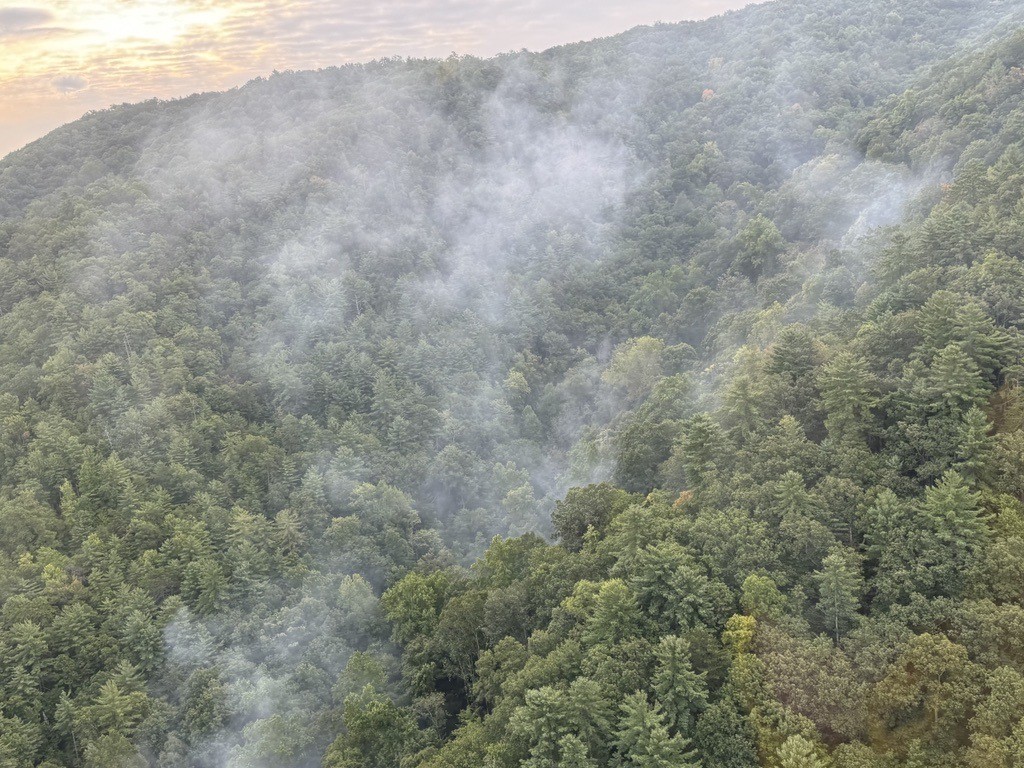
{"x": 651, "y": 401}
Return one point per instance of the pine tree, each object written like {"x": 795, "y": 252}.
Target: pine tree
{"x": 953, "y": 383}
{"x": 798, "y": 752}
{"x": 549, "y": 715}
{"x": 113, "y": 750}
{"x": 681, "y": 692}
{"x": 935, "y": 323}
{"x": 574, "y": 754}
{"x": 953, "y": 513}
{"x": 288, "y": 534}
{"x": 310, "y": 503}
{"x": 743, "y": 396}
{"x": 792, "y": 499}
{"x": 883, "y": 519}
{"x": 806, "y": 538}
{"x": 670, "y": 587}
{"x": 840, "y": 586}
{"x": 700, "y": 454}
{"x": 974, "y": 445}
{"x": 930, "y": 547}
{"x": 643, "y": 740}
{"x": 793, "y": 354}
{"x": 979, "y": 337}
{"x": 848, "y": 393}
{"x": 616, "y": 615}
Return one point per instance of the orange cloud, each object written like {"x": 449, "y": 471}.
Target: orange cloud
{"x": 60, "y": 58}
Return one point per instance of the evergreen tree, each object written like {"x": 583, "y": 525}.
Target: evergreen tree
{"x": 840, "y": 586}
{"x": 642, "y": 739}
{"x": 616, "y": 615}
{"x": 798, "y": 752}
{"x": 725, "y": 737}
{"x": 681, "y": 692}
{"x": 932, "y": 547}
{"x": 574, "y": 754}
{"x": 849, "y": 392}
{"x": 975, "y": 447}
{"x": 699, "y": 455}
{"x": 954, "y": 383}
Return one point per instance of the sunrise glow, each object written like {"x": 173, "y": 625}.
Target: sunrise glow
{"x": 62, "y": 58}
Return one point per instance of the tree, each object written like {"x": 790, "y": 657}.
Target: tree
{"x": 840, "y": 586}
{"x": 414, "y": 604}
{"x": 681, "y": 692}
{"x": 980, "y": 338}
{"x": 574, "y": 754}
{"x": 733, "y": 544}
{"x": 670, "y": 587}
{"x": 996, "y": 726}
{"x": 884, "y": 521}
{"x": 549, "y": 715}
{"x": 725, "y": 738}
{"x": 757, "y": 247}
{"x": 798, "y": 752}
{"x": 932, "y": 544}
{"x": 643, "y": 443}
{"x": 571, "y": 753}
{"x": 699, "y": 454}
{"x": 113, "y": 750}
{"x": 377, "y": 733}
{"x": 849, "y": 392}
{"x": 935, "y": 323}
{"x": 947, "y": 318}
{"x": 204, "y": 585}
{"x": 494, "y": 667}
{"x": 953, "y": 512}
{"x": 743, "y": 396}
{"x": 643, "y": 740}
{"x": 806, "y": 537}
{"x": 26, "y": 523}
{"x": 593, "y": 506}
{"x": 19, "y": 742}
{"x": 616, "y": 615}
{"x": 975, "y": 449}
{"x": 114, "y": 710}
{"x": 792, "y": 497}
{"x": 926, "y": 692}
{"x": 761, "y": 598}
{"x": 459, "y": 634}
{"x": 205, "y": 708}
{"x": 953, "y": 383}
{"x": 636, "y": 366}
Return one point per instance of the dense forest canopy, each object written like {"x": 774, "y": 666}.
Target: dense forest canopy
{"x": 648, "y": 402}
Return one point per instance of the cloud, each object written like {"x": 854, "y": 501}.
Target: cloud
{"x": 17, "y": 21}
{"x": 322, "y": 29}
{"x": 112, "y": 51}
{"x": 69, "y": 83}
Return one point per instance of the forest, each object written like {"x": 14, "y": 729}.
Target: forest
{"x": 649, "y": 402}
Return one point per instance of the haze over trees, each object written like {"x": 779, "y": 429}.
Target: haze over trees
{"x": 647, "y": 402}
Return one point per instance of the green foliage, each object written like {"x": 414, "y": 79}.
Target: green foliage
{"x": 298, "y": 381}
{"x": 643, "y": 741}
{"x": 377, "y": 733}
{"x": 588, "y": 508}
{"x": 839, "y": 590}
{"x": 681, "y": 692}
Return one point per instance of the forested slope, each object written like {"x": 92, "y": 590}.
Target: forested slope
{"x": 647, "y": 402}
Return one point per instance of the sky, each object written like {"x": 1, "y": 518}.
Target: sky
{"x": 62, "y": 58}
